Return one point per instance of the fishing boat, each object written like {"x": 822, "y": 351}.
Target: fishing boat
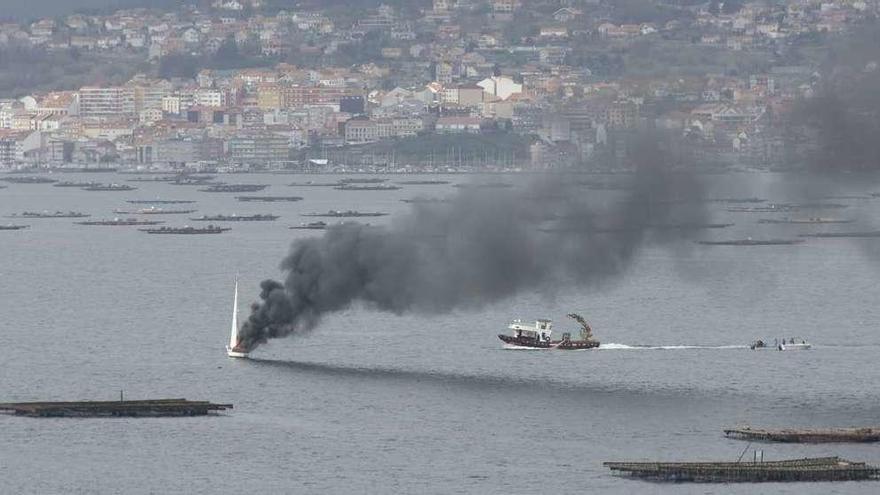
{"x": 538, "y": 336}
{"x": 234, "y": 348}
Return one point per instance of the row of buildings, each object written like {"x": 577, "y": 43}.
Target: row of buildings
{"x": 460, "y": 67}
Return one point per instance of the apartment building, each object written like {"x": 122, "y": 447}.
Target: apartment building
{"x": 106, "y": 102}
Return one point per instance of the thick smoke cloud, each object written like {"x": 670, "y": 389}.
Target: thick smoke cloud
{"x": 842, "y": 120}
{"x": 484, "y": 245}
{"x": 839, "y": 128}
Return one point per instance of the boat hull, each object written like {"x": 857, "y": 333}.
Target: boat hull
{"x": 780, "y": 347}
{"x": 236, "y": 354}
{"x": 794, "y": 347}
{"x": 524, "y": 343}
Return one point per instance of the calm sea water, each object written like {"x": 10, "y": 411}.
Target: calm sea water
{"x": 377, "y": 403}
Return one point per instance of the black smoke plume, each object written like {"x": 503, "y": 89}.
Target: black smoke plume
{"x": 841, "y": 122}
{"x": 484, "y": 245}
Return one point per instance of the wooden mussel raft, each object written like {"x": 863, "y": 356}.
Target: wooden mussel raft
{"x": 121, "y": 408}
{"x": 806, "y": 435}
{"x": 810, "y": 469}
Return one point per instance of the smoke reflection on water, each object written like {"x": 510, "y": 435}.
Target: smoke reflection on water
{"x": 485, "y": 382}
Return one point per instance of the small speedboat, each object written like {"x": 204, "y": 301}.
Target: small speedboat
{"x": 785, "y": 345}
{"x": 794, "y": 346}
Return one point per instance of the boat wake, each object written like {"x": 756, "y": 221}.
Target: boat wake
{"x": 624, "y": 347}
{"x": 613, "y": 346}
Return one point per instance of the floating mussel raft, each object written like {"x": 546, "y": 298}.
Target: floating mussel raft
{"x": 128, "y": 408}
{"x": 810, "y": 469}
{"x": 806, "y": 435}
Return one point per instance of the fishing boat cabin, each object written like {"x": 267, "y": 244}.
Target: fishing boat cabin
{"x": 539, "y": 331}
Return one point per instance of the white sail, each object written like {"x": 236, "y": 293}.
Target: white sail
{"x": 233, "y": 337}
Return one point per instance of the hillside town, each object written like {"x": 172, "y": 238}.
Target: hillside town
{"x": 445, "y": 85}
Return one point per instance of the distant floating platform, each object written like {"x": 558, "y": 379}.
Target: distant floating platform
{"x": 814, "y": 469}
{"x": 806, "y": 435}
{"x": 752, "y": 242}
{"x": 124, "y": 408}
{"x": 840, "y": 235}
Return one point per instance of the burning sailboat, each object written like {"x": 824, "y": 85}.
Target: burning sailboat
{"x": 234, "y": 348}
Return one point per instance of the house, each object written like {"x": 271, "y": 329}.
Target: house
{"x": 77, "y": 22}
{"x": 470, "y": 95}
{"x": 406, "y": 127}
{"x": 361, "y": 130}
{"x": 553, "y": 32}
{"x": 191, "y": 36}
{"x": 392, "y": 52}
{"x": 726, "y": 114}
{"x": 11, "y": 147}
{"x": 500, "y": 86}
{"x": 457, "y": 125}
{"x": 487, "y": 40}
{"x": 231, "y": 5}
{"x": 395, "y": 96}
{"x": 58, "y": 103}
{"x": 607, "y": 29}
{"x": 150, "y": 116}
{"x": 505, "y": 6}
{"x": 566, "y": 14}
{"x": 43, "y": 28}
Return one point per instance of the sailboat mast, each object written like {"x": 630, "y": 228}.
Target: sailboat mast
{"x": 233, "y": 337}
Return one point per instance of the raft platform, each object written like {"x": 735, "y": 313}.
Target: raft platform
{"x": 120, "y": 408}
{"x": 795, "y": 435}
{"x": 810, "y": 469}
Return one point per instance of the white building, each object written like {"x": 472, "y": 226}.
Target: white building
{"x": 501, "y": 87}
{"x": 210, "y": 98}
